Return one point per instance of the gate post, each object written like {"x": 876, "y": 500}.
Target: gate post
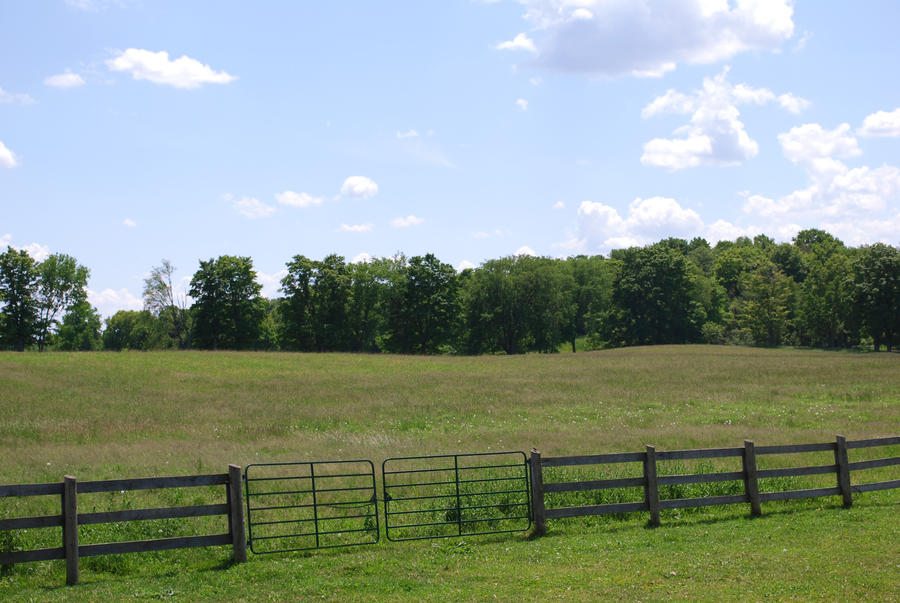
{"x": 751, "y": 481}
{"x": 70, "y": 528}
{"x": 538, "y": 512}
{"x": 843, "y": 470}
{"x": 236, "y": 513}
{"x": 651, "y": 488}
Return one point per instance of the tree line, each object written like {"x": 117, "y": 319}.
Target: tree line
{"x": 814, "y": 291}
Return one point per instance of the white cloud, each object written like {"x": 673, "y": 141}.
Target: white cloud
{"x": 252, "y": 208}
{"x": 359, "y": 187}
{"x": 19, "y": 99}
{"x": 355, "y": 228}
{"x": 129, "y": 222}
{"x": 881, "y": 123}
{"x": 465, "y": 265}
{"x": 297, "y": 199}
{"x": 525, "y": 250}
{"x": 7, "y": 157}
{"x": 361, "y": 258}
{"x": 650, "y": 38}
{"x": 65, "y": 80}
{"x": 535, "y": 81}
{"x": 520, "y": 42}
{"x": 481, "y": 235}
{"x": 559, "y": 205}
{"x": 858, "y": 205}
{"x": 792, "y": 103}
{"x": 110, "y": 301}
{"x": 522, "y": 104}
{"x": 408, "y": 134}
{"x": 603, "y": 228}
{"x": 406, "y": 222}
{"x": 715, "y": 135}
{"x": 271, "y": 283}
{"x": 184, "y": 72}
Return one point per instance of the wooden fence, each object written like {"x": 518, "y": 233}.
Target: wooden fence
{"x": 69, "y": 518}
{"x": 749, "y": 474}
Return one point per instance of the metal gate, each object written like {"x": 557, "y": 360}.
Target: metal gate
{"x": 314, "y": 505}
{"x": 455, "y": 495}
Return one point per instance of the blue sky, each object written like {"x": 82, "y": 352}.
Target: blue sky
{"x": 132, "y": 131}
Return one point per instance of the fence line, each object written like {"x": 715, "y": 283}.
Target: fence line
{"x": 69, "y": 518}
{"x": 750, "y": 475}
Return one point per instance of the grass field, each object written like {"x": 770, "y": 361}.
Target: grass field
{"x": 109, "y": 415}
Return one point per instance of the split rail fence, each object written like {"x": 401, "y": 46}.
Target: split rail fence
{"x": 749, "y": 474}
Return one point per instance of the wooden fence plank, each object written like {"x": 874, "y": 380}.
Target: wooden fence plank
{"x": 795, "y": 471}
{"x": 27, "y": 523}
{"x": 874, "y": 442}
{"x": 843, "y": 469}
{"x": 699, "y": 478}
{"x": 538, "y": 511}
{"x": 70, "y": 528}
{"x": 706, "y": 501}
{"x": 699, "y": 453}
{"x": 795, "y": 494}
{"x": 593, "y": 459}
{"x": 598, "y": 484}
{"x": 651, "y": 488}
{"x": 161, "y": 513}
{"x": 611, "y": 508}
{"x": 856, "y": 466}
{"x": 10, "y": 558}
{"x": 895, "y": 483}
{"x": 794, "y": 448}
{"x": 31, "y": 490}
{"x": 149, "y": 483}
{"x": 751, "y": 478}
{"x": 160, "y": 544}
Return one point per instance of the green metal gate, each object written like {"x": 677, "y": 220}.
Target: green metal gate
{"x": 451, "y": 495}
{"x": 314, "y": 505}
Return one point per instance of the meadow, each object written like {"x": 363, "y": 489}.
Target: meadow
{"x": 111, "y": 415}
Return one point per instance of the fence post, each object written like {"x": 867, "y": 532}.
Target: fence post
{"x": 70, "y": 528}
{"x": 236, "y": 513}
{"x": 751, "y": 482}
{"x": 843, "y": 470}
{"x": 651, "y": 488}
{"x": 537, "y": 494}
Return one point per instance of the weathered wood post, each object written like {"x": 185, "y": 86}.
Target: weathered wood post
{"x": 651, "y": 487}
{"x": 538, "y": 512}
{"x": 236, "y": 513}
{"x": 751, "y": 481}
{"x": 70, "y": 528}
{"x": 843, "y": 469}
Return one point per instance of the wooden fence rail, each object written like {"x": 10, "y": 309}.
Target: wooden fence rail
{"x": 749, "y": 474}
{"x": 69, "y": 518}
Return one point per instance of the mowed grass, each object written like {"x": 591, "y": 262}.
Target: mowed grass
{"x": 109, "y": 415}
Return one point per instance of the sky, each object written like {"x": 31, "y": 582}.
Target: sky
{"x": 135, "y": 131}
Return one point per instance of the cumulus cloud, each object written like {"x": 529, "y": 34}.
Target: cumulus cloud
{"x": 297, "y": 199}
{"x": 522, "y": 104}
{"x": 559, "y": 205}
{"x": 520, "y": 42}
{"x": 271, "y": 282}
{"x": 37, "y": 251}
{"x": 649, "y": 38}
{"x": 64, "y": 80}
{"x": 129, "y": 222}
{"x": 184, "y": 72}
{"x": 355, "y": 228}
{"x": 361, "y": 258}
{"x": 715, "y": 135}
{"x": 110, "y": 301}
{"x": 525, "y": 250}
{"x": 359, "y": 187}
{"x": 881, "y": 123}
{"x": 408, "y": 134}
{"x": 465, "y": 265}
{"x": 7, "y": 157}
{"x": 252, "y": 208}
{"x": 11, "y": 98}
{"x": 602, "y": 227}
{"x": 406, "y": 222}
{"x": 857, "y": 204}
{"x": 792, "y": 103}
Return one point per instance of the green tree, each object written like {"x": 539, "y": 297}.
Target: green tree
{"x": 228, "y": 309}
{"x": 134, "y": 330}
{"x": 18, "y": 288}
{"x": 170, "y": 308}
{"x": 875, "y": 287}
{"x": 825, "y": 304}
{"x": 766, "y": 305}
{"x": 80, "y": 328}
{"x": 317, "y": 295}
{"x": 62, "y": 283}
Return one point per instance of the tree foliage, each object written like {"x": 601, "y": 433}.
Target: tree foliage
{"x": 228, "y": 309}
